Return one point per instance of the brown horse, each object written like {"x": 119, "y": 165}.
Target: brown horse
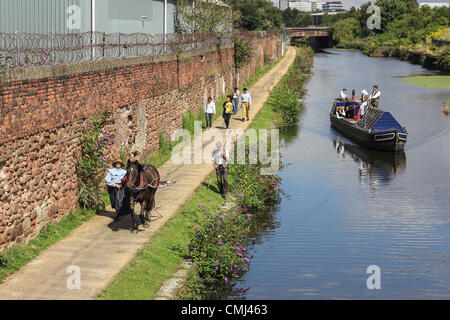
{"x": 140, "y": 184}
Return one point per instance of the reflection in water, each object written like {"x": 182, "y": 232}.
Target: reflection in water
{"x": 375, "y": 167}
{"x": 289, "y": 134}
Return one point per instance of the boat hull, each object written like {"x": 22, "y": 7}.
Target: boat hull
{"x": 389, "y": 141}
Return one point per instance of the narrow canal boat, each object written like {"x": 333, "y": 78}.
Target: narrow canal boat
{"x": 377, "y": 129}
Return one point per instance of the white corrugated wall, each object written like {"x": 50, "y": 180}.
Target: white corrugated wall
{"x": 42, "y": 16}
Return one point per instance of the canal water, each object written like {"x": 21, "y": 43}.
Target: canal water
{"x": 348, "y": 208}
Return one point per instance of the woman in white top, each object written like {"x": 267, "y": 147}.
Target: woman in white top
{"x": 235, "y": 100}
{"x": 210, "y": 110}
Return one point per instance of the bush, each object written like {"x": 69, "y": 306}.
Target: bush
{"x": 91, "y": 165}
{"x": 242, "y": 52}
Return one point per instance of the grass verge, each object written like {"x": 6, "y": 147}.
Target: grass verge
{"x": 436, "y": 82}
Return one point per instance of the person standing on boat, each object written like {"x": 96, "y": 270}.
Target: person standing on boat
{"x": 343, "y": 95}
{"x": 364, "y": 102}
{"x": 375, "y": 97}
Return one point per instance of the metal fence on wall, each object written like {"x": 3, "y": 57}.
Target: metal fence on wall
{"x": 21, "y": 50}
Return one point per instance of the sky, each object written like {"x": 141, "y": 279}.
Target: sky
{"x": 349, "y": 3}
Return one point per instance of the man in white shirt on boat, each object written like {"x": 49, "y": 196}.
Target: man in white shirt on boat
{"x": 343, "y": 95}
{"x": 375, "y": 97}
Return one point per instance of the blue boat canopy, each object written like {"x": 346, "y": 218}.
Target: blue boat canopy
{"x": 387, "y": 122}
{"x": 379, "y": 121}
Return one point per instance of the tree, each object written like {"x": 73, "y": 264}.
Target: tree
{"x": 345, "y": 31}
{"x": 199, "y": 16}
{"x": 257, "y": 15}
{"x": 295, "y": 18}
{"x": 394, "y": 9}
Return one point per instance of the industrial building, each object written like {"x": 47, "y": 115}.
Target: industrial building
{"x": 75, "y": 16}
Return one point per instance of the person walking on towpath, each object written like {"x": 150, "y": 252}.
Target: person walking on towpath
{"x": 235, "y": 100}
{"x": 220, "y": 158}
{"x": 246, "y": 102}
{"x": 227, "y": 111}
{"x": 114, "y": 179}
{"x": 210, "y": 111}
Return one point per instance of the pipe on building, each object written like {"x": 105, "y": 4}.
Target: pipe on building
{"x": 165, "y": 21}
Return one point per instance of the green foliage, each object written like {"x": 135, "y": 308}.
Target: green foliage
{"x": 344, "y": 32}
{"x": 189, "y": 119}
{"x": 285, "y": 97}
{"x": 198, "y": 16}
{"x": 443, "y": 60}
{"x": 257, "y": 15}
{"x": 403, "y": 24}
{"x": 392, "y": 10}
{"x": 242, "y": 51}
{"x": 295, "y": 18}
{"x": 91, "y": 165}
{"x": 218, "y": 244}
{"x": 164, "y": 145}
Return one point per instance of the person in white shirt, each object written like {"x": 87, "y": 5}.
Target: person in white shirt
{"x": 343, "y": 95}
{"x": 210, "y": 110}
{"x": 220, "y": 158}
{"x": 235, "y": 100}
{"x": 375, "y": 97}
{"x": 246, "y": 101}
{"x": 364, "y": 102}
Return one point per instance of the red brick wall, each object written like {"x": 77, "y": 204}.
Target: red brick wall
{"x": 42, "y": 117}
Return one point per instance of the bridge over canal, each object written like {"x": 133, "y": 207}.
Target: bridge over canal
{"x": 318, "y": 37}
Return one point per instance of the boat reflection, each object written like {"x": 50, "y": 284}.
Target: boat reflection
{"x": 375, "y": 167}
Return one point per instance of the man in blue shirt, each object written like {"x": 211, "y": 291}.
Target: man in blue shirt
{"x": 116, "y": 194}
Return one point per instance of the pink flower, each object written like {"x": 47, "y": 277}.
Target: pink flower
{"x": 249, "y": 215}
{"x": 247, "y": 260}
{"x": 201, "y": 205}
{"x": 238, "y": 249}
{"x": 217, "y": 265}
{"x": 240, "y": 195}
{"x": 240, "y": 255}
{"x": 219, "y": 242}
{"x": 226, "y": 280}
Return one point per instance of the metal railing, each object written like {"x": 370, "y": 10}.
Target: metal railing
{"x": 21, "y": 50}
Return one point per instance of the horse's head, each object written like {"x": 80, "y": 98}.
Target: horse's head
{"x": 132, "y": 178}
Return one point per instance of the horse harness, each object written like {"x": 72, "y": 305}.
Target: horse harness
{"x": 143, "y": 184}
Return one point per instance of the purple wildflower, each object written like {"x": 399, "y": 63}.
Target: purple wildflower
{"x": 107, "y": 137}
{"x": 238, "y": 249}
{"x": 240, "y": 195}
{"x": 219, "y": 242}
{"x": 197, "y": 229}
{"x": 240, "y": 255}
{"x": 249, "y": 215}
{"x": 247, "y": 260}
{"x": 226, "y": 280}
{"x": 201, "y": 205}
{"x": 217, "y": 265}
